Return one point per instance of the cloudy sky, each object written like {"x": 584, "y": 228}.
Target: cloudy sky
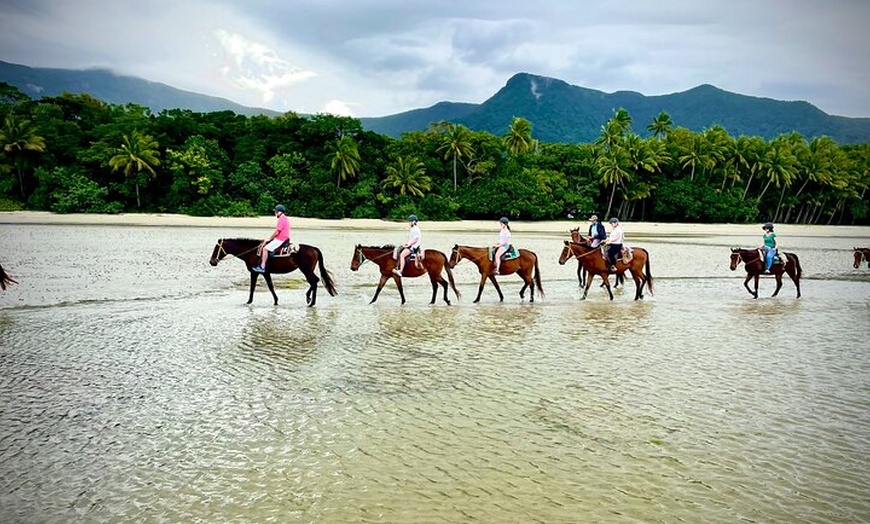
{"x": 379, "y": 57}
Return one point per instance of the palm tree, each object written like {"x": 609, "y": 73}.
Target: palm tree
{"x": 408, "y": 176}
{"x": 345, "y": 159}
{"x": 137, "y": 153}
{"x": 777, "y": 166}
{"x": 613, "y": 131}
{"x": 19, "y": 137}
{"x": 661, "y": 125}
{"x": 612, "y": 168}
{"x": 519, "y": 139}
{"x": 456, "y": 144}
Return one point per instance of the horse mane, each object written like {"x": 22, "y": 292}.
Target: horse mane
{"x": 241, "y": 239}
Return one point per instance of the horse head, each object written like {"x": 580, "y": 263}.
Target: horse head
{"x": 735, "y": 258}
{"x": 566, "y": 251}
{"x": 575, "y": 235}
{"x": 218, "y": 253}
{"x": 455, "y": 256}
{"x": 358, "y": 258}
{"x": 861, "y": 256}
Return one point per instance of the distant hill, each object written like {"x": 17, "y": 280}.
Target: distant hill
{"x": 116, "y": 89}
{"x": 560, "y": 112}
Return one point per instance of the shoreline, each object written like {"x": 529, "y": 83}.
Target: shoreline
{"x": 672, "y": 229}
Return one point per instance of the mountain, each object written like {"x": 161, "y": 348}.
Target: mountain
{"x": 560, "y": 112}
{"x": 116, "y": 89}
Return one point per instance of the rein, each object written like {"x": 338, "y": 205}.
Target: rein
{"x": 237, "y": 255}
{"x": 362, "y": 258}
{"x": 591, "y": 250}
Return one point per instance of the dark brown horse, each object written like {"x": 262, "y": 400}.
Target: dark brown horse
{"x": 306, "y": 260}
{"x": 862, "y": 254}
{"x": 581, "y": 273}
{"x": 526, "y": 266}
{"x": 595, "y": 264}
{"x": 5, "y": 279}
{"x": 432, "y": 264}
{"x": 753, "y": 261}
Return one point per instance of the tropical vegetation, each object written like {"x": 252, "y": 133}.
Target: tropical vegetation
{"x": 74, "y": 153}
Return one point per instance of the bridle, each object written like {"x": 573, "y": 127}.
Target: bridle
{"x": 581, "y": 255}
{"x": 223, "y": 252}
{"x": 362, "y": 258}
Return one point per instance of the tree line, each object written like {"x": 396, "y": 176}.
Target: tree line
{"x": 74, "y": 153}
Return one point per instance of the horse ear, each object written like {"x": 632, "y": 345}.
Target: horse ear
{"x": 734, "y": 249}
{"x": 566, "y": 242}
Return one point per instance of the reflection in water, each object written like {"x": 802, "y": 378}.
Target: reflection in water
{"x": 697, "y": 404}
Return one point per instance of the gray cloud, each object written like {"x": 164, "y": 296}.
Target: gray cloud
{"x": 385, "y": 56}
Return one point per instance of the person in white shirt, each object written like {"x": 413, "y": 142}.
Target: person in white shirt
{"x": 504, "y": 242}
{"x": 415, "y": 240}
{"x": 614, "y": 243}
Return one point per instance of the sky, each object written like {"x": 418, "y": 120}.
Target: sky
{"x": 368, "y": 58}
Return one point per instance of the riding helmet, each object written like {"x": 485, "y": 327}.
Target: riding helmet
{"x": 767, "y": 226}
{"x": 503, "y": 220}
{"x": 412, "y": 218}
{"x": 614, "y": 220}
{"x": 280, "y": 208}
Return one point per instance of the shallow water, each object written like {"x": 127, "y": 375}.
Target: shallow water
{"x": 136, "y": 385}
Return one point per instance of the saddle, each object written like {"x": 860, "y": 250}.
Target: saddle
{"x": 510, "y": 254}
{"x": 285, "y": 250}
{"x": 779, "y": 259}
{"x": 416, "y": 257}
{"x": 626, "y": 255}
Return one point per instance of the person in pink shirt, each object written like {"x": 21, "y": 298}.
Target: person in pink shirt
{"x": 278, "y": 238}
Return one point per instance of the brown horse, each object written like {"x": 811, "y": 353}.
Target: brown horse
{"x": 526, "y": 266}
{"x": 595, "y": 264}
{"x": 432, "y": 264}
{"x": 306, "y": 259}
{"x": 862, "y": 254}
{"x": 5, "y": 279}
{"x": 581, "y": 273}
{"x": 754, "y": 264}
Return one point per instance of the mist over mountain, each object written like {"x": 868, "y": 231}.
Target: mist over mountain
{"x": 558, "y": 111}
{"x": 110, "y": 87}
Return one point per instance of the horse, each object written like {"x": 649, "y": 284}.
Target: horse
{"x": 306, "y": 259}
{"x": 5, "y": 279}
{"x": 581, "y": 273}
{"x": 595, "y": 264}
{"x": 432, "y": 263}
{"x": 526, "y": 266}
{"x": 862, "y": 254}
{"x": 753, "y": 261}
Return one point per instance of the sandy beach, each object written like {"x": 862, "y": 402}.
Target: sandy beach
{"x": 548, "y": 227}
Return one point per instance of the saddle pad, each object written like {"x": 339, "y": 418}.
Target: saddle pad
{"x": 510, "y": 254}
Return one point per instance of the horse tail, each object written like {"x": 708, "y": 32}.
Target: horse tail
{"x": 450, "y": 276}
{"x": 538, "y": 278}
{"x": 325, "y": 275}
{"x": 797, "y": 265}
{"x": 649, "y": 277}
{"x": 5, "y": 279}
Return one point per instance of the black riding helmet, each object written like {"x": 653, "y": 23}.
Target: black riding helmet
{"x": 768, "y": 227}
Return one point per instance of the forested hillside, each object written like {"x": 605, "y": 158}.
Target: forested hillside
{"x": 75, "y": 153}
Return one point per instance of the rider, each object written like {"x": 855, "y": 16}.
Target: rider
{"x": 278, "y": 238}
{"x": 614, "y": 243}
{"x": 504, "y": 242}
{"x": 769, "y": 246}
{"x": 415, "y": 239}
{"x": 596, "y": 231}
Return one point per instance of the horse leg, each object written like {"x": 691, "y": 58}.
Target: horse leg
{"x": 311, "y": 294}
{"x": 381, "y": 283}
{"x": 399, "y": 286}
{"x": 778, "y": 276}
{"x": 607, "y": 285}
{"x": 746, "y": 285}
{"x": 434, "y": 280}
{"x": 638, "y": 285}
{"x": 268, "y": 278}
{"x": 480, "y": 287}
{"x": 497, "y": 288}
{"x": 581, "y": 275}
{"x": 797, "y": 281}
{"x": 254, "y": 276}
{"x": 445, "y": 286}
{"x": 527, "y": 283}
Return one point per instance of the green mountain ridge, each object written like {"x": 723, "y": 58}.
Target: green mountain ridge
{"x": 560, "y": 112}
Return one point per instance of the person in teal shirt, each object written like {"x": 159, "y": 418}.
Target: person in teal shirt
{"x": 769, "y": 246}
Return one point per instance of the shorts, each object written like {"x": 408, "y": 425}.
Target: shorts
{"x": 274, "y": 244}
